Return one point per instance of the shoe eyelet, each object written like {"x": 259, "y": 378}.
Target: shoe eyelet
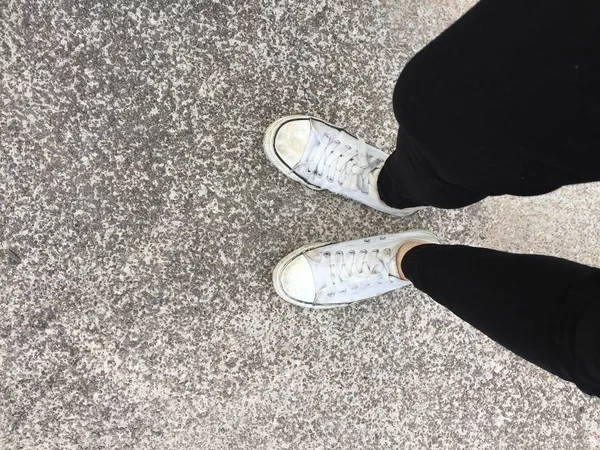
{"x": 349, "y": 148}
{"x": 327, "y": 135}
{"x": 351, "y": 252}
{"x": 337, "y": 142}
{"x": 339, "y": 252}
{"x": 368, "y": 240}
{"x": 327, "y": 254}
{"x": 382, "y": 238}
{"x": 330, "y": 180}
{"x": 319, "y": 175}
{"x": 364, "y": 251}
{"x": 308, "y": 170}
{"x": 343, "y": 292}
{"x": 331, "y": 294}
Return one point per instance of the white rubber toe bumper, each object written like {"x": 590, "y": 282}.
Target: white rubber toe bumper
{"x": 284, "y": 143}
{"x": 291, "y": 140}
{"x": 293, "y": 282}
{"x": 294, "y": 278}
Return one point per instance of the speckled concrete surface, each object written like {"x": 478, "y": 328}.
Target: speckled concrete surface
{"x": 140, "y": 223}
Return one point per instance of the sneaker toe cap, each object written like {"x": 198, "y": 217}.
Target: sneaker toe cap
{"x": 297, "y": 280}
{"x": 291, "y": 140}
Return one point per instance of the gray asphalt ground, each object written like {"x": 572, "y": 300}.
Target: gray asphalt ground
{"x": 140, "y": 222}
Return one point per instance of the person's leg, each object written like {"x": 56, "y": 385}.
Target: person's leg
{"x": 505, "y": 101}
{"x": 544, "y": 309}
{"x": 409, "y": 180}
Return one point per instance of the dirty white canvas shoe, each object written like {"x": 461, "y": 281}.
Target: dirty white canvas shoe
{"x": 322, "y": 156}
{"x": 322, "y": 276}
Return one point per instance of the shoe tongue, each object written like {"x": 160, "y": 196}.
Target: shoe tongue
{"x": 373, "y": 176}
{"x": 373, "y": 189}
{"x": 394, "y": 271}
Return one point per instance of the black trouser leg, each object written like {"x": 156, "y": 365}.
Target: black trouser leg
{"x": 408, "y": 179}
{"x": 505, "y": 101}
{"x": 544, "y": 309}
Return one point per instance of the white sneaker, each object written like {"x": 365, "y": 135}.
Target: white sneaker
{"x": 323, "y": 276}
{"x": 323, "y": 156}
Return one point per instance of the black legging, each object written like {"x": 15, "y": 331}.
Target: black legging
{"x": 506, "y": 101}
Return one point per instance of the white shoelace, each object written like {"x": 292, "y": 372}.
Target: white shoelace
{"x": 352, "y": 270}
{"x": 350, "y": 166}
